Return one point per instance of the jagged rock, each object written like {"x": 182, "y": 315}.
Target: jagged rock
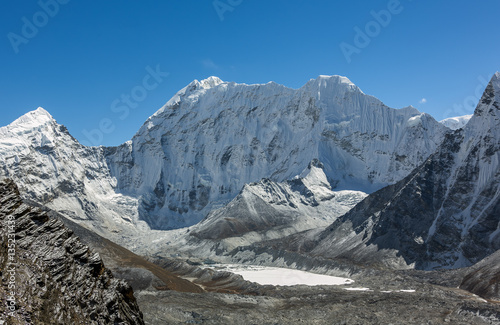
{"x": 58, "y": 280}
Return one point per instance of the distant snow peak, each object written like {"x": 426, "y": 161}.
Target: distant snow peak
{"x": 331, "y": 86}
{"x": 335, "y": 78}
{"x": 210, "y": 82}
{"x": 39, "y": 114}
{"x": 41, "y": 111}
{"x": 456, "y": 122}
{"x": 314, "y": 176}
{"x": 31, "y": 120}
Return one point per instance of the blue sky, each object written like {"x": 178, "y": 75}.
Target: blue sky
{"x": 82, "y": 57}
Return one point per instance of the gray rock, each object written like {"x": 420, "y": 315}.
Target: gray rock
{"x": 483, "y": 278}
{"x": 58, "y": 280}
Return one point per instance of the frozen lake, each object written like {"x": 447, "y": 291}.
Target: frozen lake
{"x": 280, "y": 276}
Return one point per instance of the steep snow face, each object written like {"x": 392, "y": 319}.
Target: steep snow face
{"x": 213, "y": 137}
{"x": 455, "y": 123}
{"x": 268, "y": 210}
{"x": 445, "y": 214}
{"x": 52, "y": 168}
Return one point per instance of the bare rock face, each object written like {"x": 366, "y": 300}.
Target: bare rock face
{"x": 484, "y": 278}
{"x": 50, "y": 277}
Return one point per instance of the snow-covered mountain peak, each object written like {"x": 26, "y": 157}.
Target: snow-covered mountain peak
{"x": 335, "y": 78}
{"x": 33, "y": 120}
{"x": 486, "y": 118}
{"x": 457, "y": 122}
{"x": 210, "y": 82}
{"x": 329, "y": 85}
{"x": 314, "y": 175}
{"x": 41, "y": 112}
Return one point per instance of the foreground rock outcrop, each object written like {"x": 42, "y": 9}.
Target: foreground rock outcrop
{"x": 49, "y": 276}
{"x": 484, "y": 278}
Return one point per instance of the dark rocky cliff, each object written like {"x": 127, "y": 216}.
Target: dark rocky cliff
{"x": 54, "y": 277}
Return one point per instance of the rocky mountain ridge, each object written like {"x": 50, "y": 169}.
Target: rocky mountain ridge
{"x": 52, "y": 276}
{"x": 445, "y": 214}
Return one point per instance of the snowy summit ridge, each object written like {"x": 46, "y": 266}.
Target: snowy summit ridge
{"x": 457, "y": 192}
{"x": 31, "y": 120}
{"x": 223, "y": 135}
{"x": 211, "y": 138}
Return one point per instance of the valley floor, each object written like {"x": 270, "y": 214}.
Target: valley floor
{"x": 319, "y": 305}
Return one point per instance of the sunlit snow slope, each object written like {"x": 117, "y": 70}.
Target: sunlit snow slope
{"x": 197, "y": 152}
{"x": 213, "y": 137}
{"x": 445, "y": 214}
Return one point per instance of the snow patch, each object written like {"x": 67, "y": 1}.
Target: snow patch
{"x": 415, "y": 120}
{"x": 457, "y": 122}
{"x": 266, "y": 275}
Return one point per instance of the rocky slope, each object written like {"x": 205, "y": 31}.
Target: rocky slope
{"x": 445, "y": 214}
{"x": 483, "y": 278}
{"x": 136, "y": 270}
{"x": 54, "y": 277}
